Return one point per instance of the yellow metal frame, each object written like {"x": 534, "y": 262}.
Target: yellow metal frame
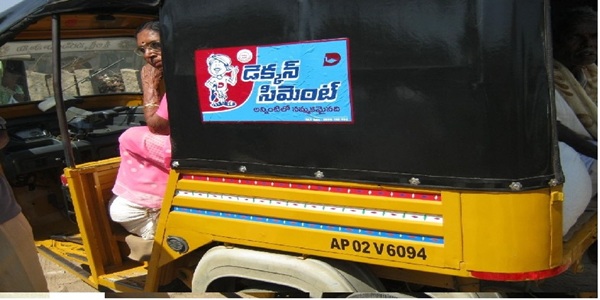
{"x": 489, "y": 232}
{"x": 485, "y": 232}
{"x": 90, "y": 186}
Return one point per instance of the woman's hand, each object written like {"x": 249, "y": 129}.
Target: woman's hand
{"x": 151, "y": 76}
{"x": 151, "y": 82}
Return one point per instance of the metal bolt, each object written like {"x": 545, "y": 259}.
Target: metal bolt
{"x": 243, "y": 169}
{"x": 553, "y": 182}
{"x": 414, "y": 181}
{"x": 319, "y": 174}
{"x": 175, "y": 164}
{"x": 516, "y": 186}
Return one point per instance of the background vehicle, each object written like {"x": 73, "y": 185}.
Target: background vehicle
{"x": 443, "y": 175}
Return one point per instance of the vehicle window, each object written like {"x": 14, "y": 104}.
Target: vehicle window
{"x": 89, "y": 67}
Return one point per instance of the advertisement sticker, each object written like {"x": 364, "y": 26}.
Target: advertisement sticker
{"x": 302, "y": 82}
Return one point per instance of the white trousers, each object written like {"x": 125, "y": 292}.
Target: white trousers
{"x": 577, "y": 187}
{"x": 135, "y": 218}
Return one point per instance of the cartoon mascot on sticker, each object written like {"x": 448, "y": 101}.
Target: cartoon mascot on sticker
{"x": 219, "y": 65}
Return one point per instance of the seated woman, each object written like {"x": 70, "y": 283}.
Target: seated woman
{"x": 140, "y": 187}
{"x": 141, "y": 181}
{"x": 145, "y": 150}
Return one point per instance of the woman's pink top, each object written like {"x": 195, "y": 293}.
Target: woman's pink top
{"x": 145, "y": 164}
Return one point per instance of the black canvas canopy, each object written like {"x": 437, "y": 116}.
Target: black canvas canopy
{"x": 447, "y": 94}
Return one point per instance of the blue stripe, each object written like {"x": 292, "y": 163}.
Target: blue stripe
{"x": 310, "y": 225}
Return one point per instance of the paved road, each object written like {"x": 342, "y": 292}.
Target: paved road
{"x": 585, "y": 283}
{"x": 59, "y": 280}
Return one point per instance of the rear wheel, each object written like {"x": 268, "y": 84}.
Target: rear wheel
{"x": 241, "y": 269}
{"x": 249, "y": 286}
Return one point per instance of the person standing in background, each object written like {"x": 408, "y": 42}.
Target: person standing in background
{"x": 10, "y": 90}
{"x": 20, "y": 268}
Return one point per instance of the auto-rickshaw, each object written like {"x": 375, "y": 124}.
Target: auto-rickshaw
{"x": 344, "y": 147}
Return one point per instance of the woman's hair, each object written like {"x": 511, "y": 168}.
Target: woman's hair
{"x": 150, "y": 25}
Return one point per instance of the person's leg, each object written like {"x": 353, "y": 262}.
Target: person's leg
{"x": 134, "y": 218}
{"x": 139, "y": 221}
{"x": 592, "y": 166}
{"x": 20, "y": 268}
{"x": 577, "y": 188}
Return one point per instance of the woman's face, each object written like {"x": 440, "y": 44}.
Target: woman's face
{"x": 148, "y": 41}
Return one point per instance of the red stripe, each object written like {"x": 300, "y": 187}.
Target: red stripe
{"x": 332, "y": 189}
{"x": 537, "y": 275}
